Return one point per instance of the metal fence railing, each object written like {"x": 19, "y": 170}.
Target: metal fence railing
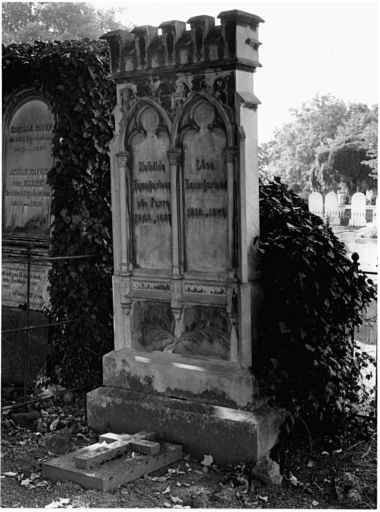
{"x": 28, "y": 259}
{"x": 348, "y": 217}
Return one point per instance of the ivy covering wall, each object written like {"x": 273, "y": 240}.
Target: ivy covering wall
{"x": 72, "y": 75}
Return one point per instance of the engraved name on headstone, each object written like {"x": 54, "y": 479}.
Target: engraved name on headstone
{"x": 28, "y": 159}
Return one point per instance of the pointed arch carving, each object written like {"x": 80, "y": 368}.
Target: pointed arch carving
{"x": 179, "y": 121}
{"x": 130, "y": 122}
{"x": 202, "y": 130}
{"x": 145, "y": 136}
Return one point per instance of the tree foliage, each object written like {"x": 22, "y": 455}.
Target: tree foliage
{"x": 72, "y": 75}
{"x": 313, "y": 299}
{"x": 292, "y": 152}
{"x": 43, "y": 21}
{"x": 324, "y": 123}
{"x": 351, "y": 156}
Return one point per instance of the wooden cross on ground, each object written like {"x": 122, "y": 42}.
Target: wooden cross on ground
{"x": 116, "y": 460}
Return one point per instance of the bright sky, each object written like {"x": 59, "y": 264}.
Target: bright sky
{"x": 308, "y": 47}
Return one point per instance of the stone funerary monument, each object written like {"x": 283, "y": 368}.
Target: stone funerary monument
{"x": 185, "y": 203}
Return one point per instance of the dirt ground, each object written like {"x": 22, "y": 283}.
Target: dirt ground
{"x": 314, "y": 471}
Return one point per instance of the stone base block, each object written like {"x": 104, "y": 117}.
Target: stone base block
{"x": 231, "y": 436}
{"x": 196, "y": 379}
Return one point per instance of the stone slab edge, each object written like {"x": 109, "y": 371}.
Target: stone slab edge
{"x": 112, "y": 474}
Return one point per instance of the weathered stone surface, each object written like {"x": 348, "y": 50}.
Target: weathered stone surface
{"x": 268, "y": 471}
{"x": 204, "y": 380}
{"x": 250, "y": 435}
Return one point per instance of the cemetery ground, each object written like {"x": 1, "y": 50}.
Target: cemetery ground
{"x": 328, "y": 472}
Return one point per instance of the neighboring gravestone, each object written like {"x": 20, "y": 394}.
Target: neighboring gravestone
{"x": 332, "y": 208}
{"x": 185, "y": 204}
{"x": 358, "y": 210}
{"x": 27, "y": 158}
{"x": 316, "y": 203}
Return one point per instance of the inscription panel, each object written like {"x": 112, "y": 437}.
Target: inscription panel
{"x": 27, "y": 197}
{"x": 14, "y": 282}
{"x": 151, "y": 194}
{"x": 205, "y": 188}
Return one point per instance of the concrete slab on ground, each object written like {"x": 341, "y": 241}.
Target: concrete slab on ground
{"x": 113, "y": 473}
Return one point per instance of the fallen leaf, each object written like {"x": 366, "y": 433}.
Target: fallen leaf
{"x": 337, "y": 451}
{"x": 197, "y": 471}
{"x": 53, "y": 504}
{"x": 10, "y": 473}
{"x": 167, "y": 505}
{"x": 311, "y": 464}
{"x": 186, "y": 456}
{"x": 314, "y": 503}
{"x": 178, "y": 484}
{"x": 325, "y": 453}
{"x": 166, "y": 490}
{"x": 25, "y": 482}
{"x": 264, "y": 498}
{"x": 293, "y": 480}
{"x": 175, "y": 499}
{"x": 208, "y": 460}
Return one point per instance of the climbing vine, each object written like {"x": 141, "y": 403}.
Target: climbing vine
{"x": 314, "y": 297}
{"x": 72, "y": 75}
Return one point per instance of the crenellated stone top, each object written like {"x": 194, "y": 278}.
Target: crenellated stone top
{"x": 232, "y": 44}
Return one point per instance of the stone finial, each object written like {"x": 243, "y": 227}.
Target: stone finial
{"x": 172, "y": 31}
{"x": 234, "y": 41}
{"x": 117, "y": 41}
{"x": 240, "y": 33}
{"x": 200, "y": 28}
{"x": 144, "y": 36}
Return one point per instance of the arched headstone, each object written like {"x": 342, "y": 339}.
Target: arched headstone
{"x": 332, "y": 208}
{"x": 28, "y": 159}
{"x": 316, "y": 203}
{"x": 358, "y": 209}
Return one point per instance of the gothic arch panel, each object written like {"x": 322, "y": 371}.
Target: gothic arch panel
{"x": 147, "y": 140}
{"x": 203, "y": 136}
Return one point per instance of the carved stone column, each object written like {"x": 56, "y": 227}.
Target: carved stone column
{"x": 122, "y": 159}
{"x": 230, "y": 152}
{"x": 173, "y": 155}
{"x": 127, "y": 308}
